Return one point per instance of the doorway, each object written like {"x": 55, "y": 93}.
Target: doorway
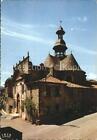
{"x": 18, "y": 103}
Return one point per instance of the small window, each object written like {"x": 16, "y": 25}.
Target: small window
{"x": 58, "y": 54}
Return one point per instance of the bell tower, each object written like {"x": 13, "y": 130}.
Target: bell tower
{"x": 60, "y": 45}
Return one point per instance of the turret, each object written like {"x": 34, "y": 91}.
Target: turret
{"x": 60, "y": 45}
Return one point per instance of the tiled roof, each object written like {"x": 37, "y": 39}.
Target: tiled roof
{"x": 51, "y": 79}
{"x": 93, "y": 83}
{"x": 69, "y": 63}
{"x": 52, "y": 61}
{"x": 69, "y": 84}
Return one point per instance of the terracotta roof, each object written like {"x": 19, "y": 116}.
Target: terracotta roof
{"x": 69, "y": 63}
{"x": 69, "y": 84}
{"x": 51, "y": 79}
{"x": 93, "y": 83}
{"x": 95, "y": 86}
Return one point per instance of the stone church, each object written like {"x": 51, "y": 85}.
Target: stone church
{"x": 57, "y": 87}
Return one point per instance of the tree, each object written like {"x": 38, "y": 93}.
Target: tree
{"x": 3, "y": 98}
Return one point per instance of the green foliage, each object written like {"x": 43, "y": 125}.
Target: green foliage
{"x": 3, "y": 98}
{"x": 30, "y": 106}
{"x": 31, "y": 109}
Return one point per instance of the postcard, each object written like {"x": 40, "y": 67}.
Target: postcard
{"x": 48, "y": 75}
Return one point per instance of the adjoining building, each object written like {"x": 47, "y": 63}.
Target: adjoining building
{"x": 57, "y": 87}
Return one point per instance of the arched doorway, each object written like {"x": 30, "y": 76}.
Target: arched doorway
{"x": 18, "y": 103}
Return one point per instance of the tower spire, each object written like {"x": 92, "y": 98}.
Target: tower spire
{"x": 28, "y": 53}
{"x": 60, "y": 45}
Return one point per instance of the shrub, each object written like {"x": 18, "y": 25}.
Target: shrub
{"x": 30, "y": 106}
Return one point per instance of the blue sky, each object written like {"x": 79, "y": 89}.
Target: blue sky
{"x": 30, "y": 25}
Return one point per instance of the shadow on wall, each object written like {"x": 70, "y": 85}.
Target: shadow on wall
{"x": 68, "y": 116}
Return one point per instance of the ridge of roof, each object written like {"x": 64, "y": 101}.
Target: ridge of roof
{"x": 51, "y": 61}
{"x": 70, "y": 63}
{"x": 51, "y": 79}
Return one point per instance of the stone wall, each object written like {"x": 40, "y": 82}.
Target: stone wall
{"x": 71, "y": 101}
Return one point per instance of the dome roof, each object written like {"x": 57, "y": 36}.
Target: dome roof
{"x": 60, "y": 42}
{"x": 60, "y": 45}
{"x": 70, "y": 63}
{"x": 60, "y": 30}
{"x": 8, "y": 81}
